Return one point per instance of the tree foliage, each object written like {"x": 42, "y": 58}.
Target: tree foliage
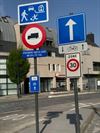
{"x": 17, "y": 67}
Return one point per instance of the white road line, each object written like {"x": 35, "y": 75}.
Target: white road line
{"x": 10, "y": 112}
{"x": 52, "y": 95}
{"x": 8, "y": 117}
{"x": 16, "y": 117}
{"x": 83, "y": 105}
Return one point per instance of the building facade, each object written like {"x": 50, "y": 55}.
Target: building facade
{"x": 51, "y": 69}
{"x": 7, "y": 43}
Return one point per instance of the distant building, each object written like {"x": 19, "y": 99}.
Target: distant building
{"x": 51, "y": 68}
{"x": 7, "y": 43}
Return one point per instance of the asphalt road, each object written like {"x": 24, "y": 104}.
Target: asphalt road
{"x": 29, "y": 104}
{"x": 18, "y": 114}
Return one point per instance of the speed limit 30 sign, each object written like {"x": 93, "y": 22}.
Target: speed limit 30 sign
{"x": 73, "y": 65}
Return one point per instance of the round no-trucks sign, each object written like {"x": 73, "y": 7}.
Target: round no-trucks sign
{"x": 73, "y": 66}
{"x": 33, "y": 36}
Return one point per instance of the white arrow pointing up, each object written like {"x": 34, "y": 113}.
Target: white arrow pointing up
{"x": 70, "y": 23}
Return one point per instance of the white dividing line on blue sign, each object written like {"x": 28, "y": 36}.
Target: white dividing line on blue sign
{"x": 33, "y": 13}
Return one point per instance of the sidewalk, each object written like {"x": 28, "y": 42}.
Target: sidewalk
{"x": 54, "y": 122}
{"x": 61, "y": 122}
{"x": 10, "y": 98}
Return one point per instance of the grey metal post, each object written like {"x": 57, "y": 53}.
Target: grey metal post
{"x": 36, "y": 99}
{"x": 77, "y": 124}
{"x": 65, "y": 72}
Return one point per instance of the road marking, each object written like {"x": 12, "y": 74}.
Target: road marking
{"x": 16, "y": 117}
{"x": 56, "y": 94}
{"x": 83, "y": 105}
{"x": 59, "y": 95}
{"x": 10, "y": 112}
{"x": 23, "y": 126}
{"x": 8, "y": 117}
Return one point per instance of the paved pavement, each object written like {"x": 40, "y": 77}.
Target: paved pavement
{"x": 11, "y": 98}
{"x": 62, "y": 122}
{"x": 94, "y": 126}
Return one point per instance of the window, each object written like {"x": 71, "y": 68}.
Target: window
{"x": 2, "y": 80}
{"x": 2, "y": 66}
{"x": 2, "y": 61}
{"x": 50, "y": 67}
{"x": 3, "y": 86}
{"x": 12, "y": 86}
{"x": 96, "y": 66}
{"x": 53, "y": 67}
{"x": 2, "y": 72}
{"x": 58, "y": 67}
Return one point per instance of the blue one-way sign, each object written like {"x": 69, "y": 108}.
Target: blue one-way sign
{"x": 71, "y": 29}
{"x": 33, "y": 13}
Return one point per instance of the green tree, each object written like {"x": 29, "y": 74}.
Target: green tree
{"x": 17, "y": 68}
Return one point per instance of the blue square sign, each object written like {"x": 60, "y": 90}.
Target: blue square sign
{"x": 36, "y": 12}
{"x": 71, "y": 29}
{"x": 34, "y": 84}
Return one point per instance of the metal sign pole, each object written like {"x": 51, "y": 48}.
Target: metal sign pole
{"x": 36, "y": 99}
{"x": 29, "y": 31}
{"x": 77, "y": 124}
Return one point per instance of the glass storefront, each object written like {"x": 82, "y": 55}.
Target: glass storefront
{"x": 6, "y": 86}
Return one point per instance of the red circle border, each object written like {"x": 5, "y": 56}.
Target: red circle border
{"x": 40, "y": 43}
{"x": 75, "y": 68}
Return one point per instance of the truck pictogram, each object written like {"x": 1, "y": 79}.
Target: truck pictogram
{"x": 33, "y": 35}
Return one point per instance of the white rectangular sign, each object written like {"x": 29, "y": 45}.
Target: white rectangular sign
{"x": 64, "y": 49}
{"x": 73, "y": 65}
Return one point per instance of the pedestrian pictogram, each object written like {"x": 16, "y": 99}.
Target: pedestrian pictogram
{"x": 24, "y": 16}
{"x": 73, "y": 65}
{"x": 34, "y": 36}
